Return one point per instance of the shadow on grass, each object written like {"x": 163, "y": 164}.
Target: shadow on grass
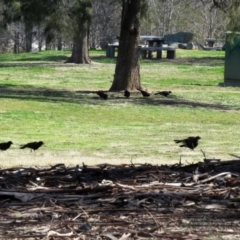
{"x": 103, "y": 59}
{"x": 59, "y": 61}
{"x": 33, "y": 57}
{"x": 202, "y": 61}
{"x": 47, "y": 58}
{"x": 51, "y": 62}
{"x": 91, "y": 98}
{"x": 195, "y": 61}
{"x": 40, "y": 65}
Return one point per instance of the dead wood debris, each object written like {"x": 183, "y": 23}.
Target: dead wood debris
{"x": 118, "y": 202}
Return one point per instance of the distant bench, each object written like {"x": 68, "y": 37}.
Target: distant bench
{"x": 146, "y": 52}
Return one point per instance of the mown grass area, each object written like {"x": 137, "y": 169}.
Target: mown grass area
{"x": 43, "y": 98}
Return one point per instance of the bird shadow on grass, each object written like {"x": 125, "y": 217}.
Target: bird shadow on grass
{"x": 91, "y": 98}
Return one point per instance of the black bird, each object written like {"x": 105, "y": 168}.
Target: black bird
{"x": 126, "y": 94}
{"x": 101, "y": 94}
{"x": 163, "y": 93}
{"x": 32, "y": 145}
{"x": 190, "y": 142}
{"x": 144, "y": 93}
{"x": 5, "y": 145}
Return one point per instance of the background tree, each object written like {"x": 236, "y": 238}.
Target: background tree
{"x": 9, "y": 12}
{"x": 28, "y": 12}
{"x": 73, "y": 16}
{"x": 206, "y": 21}
{"x": 197, "y": 17}
{"x": 127, "y": 71}
{"x": 34, "y": 12}
{"x": 231, "y": 8}
{"x": 80, "y": 15}
{"x": 234, "y": 16}
{"x": 162, "y": 13}
{"x": 105, "y": 25}
{"x": 55, "y": 21}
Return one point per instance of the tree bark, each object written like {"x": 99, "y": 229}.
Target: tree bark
{"x": 59, "y": 42}
{"x": 28, "y": 36}
{"x": 127, "y": 71}
{"x": 80, "y": 49}
{"x": 16, "y": 42}
{"x": 49, "y": 40}
{"x": 82, "y": 13}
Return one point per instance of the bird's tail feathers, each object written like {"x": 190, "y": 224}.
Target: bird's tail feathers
{"x": 177, "y": 141}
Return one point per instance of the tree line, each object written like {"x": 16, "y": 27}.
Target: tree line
{"x": 83, "y": 24}
{"x": 53, "y": 22}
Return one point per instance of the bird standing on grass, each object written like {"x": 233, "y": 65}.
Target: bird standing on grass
{"x": 144, "y": 93}
{"x": 126, "y": 94}
{"x": 5, "y": 145}
{"x": 101, "y": 94}
{"x": 32, "y": 145}
{"x": 190, "y": 142}
{"x": 163, "y": 93}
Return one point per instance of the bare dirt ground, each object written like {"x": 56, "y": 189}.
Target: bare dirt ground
{"x": 125, "y": 201}
{"x": 68, "y": 157}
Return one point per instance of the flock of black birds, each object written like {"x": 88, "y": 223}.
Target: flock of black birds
{"x": 190, "y": 142}
{"x": 127, "y": 94}
{"x": 32, "y": 145}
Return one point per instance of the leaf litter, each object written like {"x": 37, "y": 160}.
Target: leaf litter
{"x": 117, "y": 202}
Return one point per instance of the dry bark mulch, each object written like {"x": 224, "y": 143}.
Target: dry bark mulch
{"x": 118, "y": 202}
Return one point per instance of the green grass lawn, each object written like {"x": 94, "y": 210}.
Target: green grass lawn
{"x": 42, "y": 98}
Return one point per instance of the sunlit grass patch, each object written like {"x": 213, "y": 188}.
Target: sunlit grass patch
{"x": 43, "y": 98}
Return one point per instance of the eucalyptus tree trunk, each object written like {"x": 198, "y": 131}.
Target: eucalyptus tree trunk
{"x": 49, "y": 40}
{"x": 127, "y": 71}
{"x": 81, "y": 16}
{"x": 80, "y": 48}
{"x": 59, "y": 42}
{"x": 16, "y": 42}
{"x": 28, "y": 36}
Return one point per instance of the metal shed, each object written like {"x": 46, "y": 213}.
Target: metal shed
{"x": 232, "y": 60}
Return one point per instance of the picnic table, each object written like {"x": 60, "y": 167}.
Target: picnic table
{"x": 151, "y": 41}
{"x": 151, "y": 44}
{"x": 155, "y": 43}
{"x": 210, "y": 42}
